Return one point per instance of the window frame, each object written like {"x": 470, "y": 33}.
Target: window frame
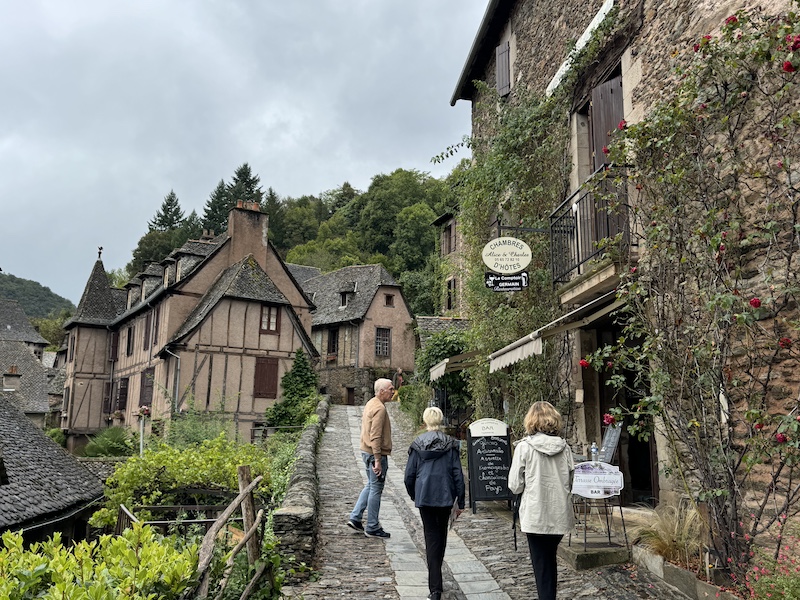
{"x": 268, "y": 311}
{"x": 383, "y": 342}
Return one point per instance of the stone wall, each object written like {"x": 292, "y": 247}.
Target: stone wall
{"x": 336, "y": 380}
{"x": 295, "y": 523}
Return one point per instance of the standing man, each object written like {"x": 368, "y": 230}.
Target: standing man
{"x": 376, "y": 446}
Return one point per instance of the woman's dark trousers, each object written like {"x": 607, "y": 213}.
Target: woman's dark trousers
{"x": 435, "y": 520}
{"x": 543, "y": 558}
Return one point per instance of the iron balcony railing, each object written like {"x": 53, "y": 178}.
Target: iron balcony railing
{"x": 597, "y": 212}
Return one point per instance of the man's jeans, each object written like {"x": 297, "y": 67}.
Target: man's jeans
{"x": 370, "y": 497}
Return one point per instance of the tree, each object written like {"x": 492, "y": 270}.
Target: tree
{"x": 216, "y": 209}
{"x": 302, "y": 220}
{"x": 414, "y": 237}
{"x": 299, "y": 386}
{"x": 117, "y": 278}
{"x": 153, "y": 246}
{"x": 244, "y": 186}
{"x": 191, "y": 228}
{"x": 275, "y": 209}
{"x": 169, "y": 216}
{"x": 422, "y": 289}
{"x": 51, "y": 327}
{"x": 339, "y": 197}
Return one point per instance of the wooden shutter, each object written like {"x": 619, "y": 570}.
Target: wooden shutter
{"x": 106, "y": 397}
{"x": 503, "y": 56}
{"x": 148, "y": 323}
{"x": 605, "y": 114}
{"x": 266, "y": 378}
{"x": 114, "y": 350}
{"x": 155, "y": 324}
{"x": 146, "y": 392}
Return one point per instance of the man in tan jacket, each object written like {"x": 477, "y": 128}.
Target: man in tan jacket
{"x": 376, "y": 445}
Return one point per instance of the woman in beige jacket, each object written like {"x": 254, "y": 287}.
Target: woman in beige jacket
{"x": 542, "y": 471}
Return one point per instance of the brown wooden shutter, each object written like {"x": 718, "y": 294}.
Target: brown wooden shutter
{"x": 605, "y": 115}
{"x": 155, "y": 324}
{"x": 114, "y": 351}
{"x": 503, "y": 56}
{"x": 106, "y": 397}
{"x": 146, "y": 392}
{"x": 148, "y": 323}
{"x": 266, "y": 378}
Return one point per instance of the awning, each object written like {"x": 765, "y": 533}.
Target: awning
{"x": 458, "y": 362}
{"x": 532, "y": 343}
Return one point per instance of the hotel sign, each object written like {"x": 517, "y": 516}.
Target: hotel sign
{"x": 506, "y": 255}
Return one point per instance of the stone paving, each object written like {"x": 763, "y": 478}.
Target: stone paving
{"x": 480, "y": 562}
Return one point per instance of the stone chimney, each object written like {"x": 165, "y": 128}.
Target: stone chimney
{"x": 248, "y": 229}
{"x": 11, "y": 379}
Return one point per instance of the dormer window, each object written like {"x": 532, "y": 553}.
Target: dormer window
{"x": 342, "y": 299}
{"x": 389, "y": 300}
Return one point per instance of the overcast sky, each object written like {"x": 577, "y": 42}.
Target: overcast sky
{"x": 107, "y": 106}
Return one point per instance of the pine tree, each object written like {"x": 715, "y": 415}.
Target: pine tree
{"x": 244, "y": 186}
{"x": 169, "y": 216}
{"x": 215, "y": 212}
{"x": 274, "y": 207}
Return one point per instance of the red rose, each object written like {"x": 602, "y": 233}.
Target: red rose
{"x": 622, "y": 125}
{"x": 609, "y": 365}
{"x": 609, "y": 419}
{"x": 606, "y": 150}
{"x": 724, "y": 234}
{"x": 755, "y": 302}
{"x": 781, "y": 438}
{"x": 759, "y": 426}
{"x": 731, "y": 20}
{"x": 696, "y": 47}
{"x": 785, "y": 342}
{"x": 584, "y": 363}
{"x": 788, "y": 66}
{"x": 780, "y": 164}
{"x": 722, "y": 247}
{"x": 633, "y": 270}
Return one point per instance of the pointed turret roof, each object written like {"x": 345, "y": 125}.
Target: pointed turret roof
{"x": 97, "y": 306}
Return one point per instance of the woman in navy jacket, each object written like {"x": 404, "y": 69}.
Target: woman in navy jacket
{"x": 435, "y": 482}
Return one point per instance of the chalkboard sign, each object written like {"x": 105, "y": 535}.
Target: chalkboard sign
{"x": 610, "y": 442}
{"x": 488, "y": 461}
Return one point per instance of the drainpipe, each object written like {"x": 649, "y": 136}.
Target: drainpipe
{"x": 174, "y": 406}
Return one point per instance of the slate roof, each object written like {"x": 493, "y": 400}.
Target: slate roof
{"x": 303, "y": 273}
{"x": 31, "y": 395}
{"x": 360, "y": 282}
{"x": 43, "y": 480}
{"x": 97, "y": 305}
{"x": 49, "y": 358}
{"x": 427, "y": 326}
{"x": 245, "y": 280}
{"x": 15, "y": 326}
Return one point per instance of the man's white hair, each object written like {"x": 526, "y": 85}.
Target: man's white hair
{"x": 382, "y": 384}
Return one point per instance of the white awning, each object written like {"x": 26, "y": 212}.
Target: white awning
{"x": 532, "y": 343}
{"x": 452, "y": 363}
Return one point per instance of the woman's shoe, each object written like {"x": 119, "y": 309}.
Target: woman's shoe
{"x": 435, "y": 596}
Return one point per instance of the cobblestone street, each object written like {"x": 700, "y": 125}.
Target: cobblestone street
{"x": 480, "y": 563}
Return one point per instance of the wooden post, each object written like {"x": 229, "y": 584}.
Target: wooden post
{"x": 248, "y": 514}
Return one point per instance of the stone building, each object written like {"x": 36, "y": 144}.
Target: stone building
{"x": 362, "y": 328}
{"x": 523, "y": 47}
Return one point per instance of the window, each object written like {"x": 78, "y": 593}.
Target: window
{"x": 67, "y": 405}
{"x": 503, "y": 68}
{"x": 122, "y": 394}
{"x": 333, "y": 341}
{"x": 72, "y": 346}
{"x": 148, "y": 323}
{"x": 146, "y": 392}
{"x": 449, "y": 239}
{"x": 450, "y": 302}
{"x": 389, "y": 300}
{"x": 266, "y": 379}
{"x": 382, "y": 341}
{"x": 129, "y": 342}
{"x": 270, "y": 319}
{"x": 342, "y": 299}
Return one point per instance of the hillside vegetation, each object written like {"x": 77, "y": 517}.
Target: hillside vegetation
{"x": 36, "y": 300}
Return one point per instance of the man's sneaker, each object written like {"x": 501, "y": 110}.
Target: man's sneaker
{"x": 378, "y": 534}
{"x": 357, "y": 525}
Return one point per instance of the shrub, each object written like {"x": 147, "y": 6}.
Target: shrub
{"x": 58, "y": 436}
{"x": 299, "y": 395}
{"x": 114, "y": 441}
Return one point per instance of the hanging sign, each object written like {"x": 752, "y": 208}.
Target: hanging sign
{"x": 506, "y": 255}
{"x": 498, "y": 282}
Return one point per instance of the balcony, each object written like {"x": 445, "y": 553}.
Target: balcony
{"x": 583, "y": 229}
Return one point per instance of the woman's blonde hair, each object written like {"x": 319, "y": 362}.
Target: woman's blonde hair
{"x": 432, "y": 417}
{"x": 542, "y": 417}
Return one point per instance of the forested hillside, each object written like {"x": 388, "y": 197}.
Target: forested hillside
{"x": 36, "y": 300}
